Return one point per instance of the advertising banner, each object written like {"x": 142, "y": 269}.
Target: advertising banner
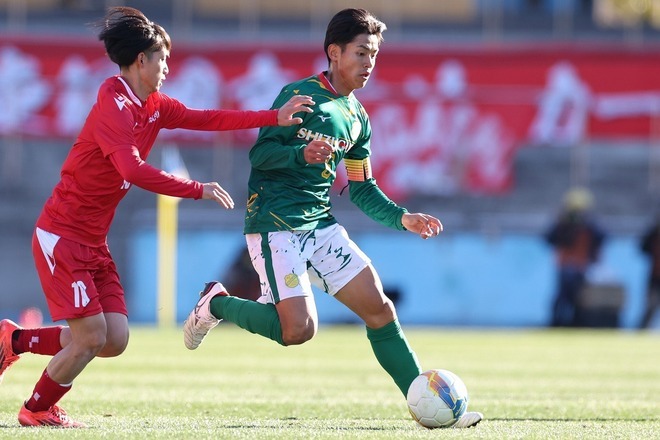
{"x": 445, "y": 120}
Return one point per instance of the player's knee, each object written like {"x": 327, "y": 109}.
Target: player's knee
{"x": 388, "y": 309}
{"x": 381, "y": 315}
{"x": 299, "y": 334}
{"x": 115, "y": 344}
{"x": 90, "y": 345}
{"x": 112, "y": 351}
{"x": 113, "y": 347}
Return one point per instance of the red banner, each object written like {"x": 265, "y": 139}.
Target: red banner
{"x": 444, "y": 119}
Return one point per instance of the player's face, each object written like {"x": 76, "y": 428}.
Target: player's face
{"x": 353, "y": 65}
{"x": 154, "y": 70}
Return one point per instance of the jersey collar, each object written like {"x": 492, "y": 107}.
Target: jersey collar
{"x": 130, "y": 93}
{"x": 326, "y": 83}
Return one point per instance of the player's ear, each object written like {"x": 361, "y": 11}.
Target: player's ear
{"x": 333, "y": 52}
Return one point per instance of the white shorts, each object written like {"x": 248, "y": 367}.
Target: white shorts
{"x": 289, "y": 262}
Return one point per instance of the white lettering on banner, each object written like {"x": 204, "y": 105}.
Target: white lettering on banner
{"x": 563, "y": 108}
{"x": 450, "y": 124}
{"x": 454, "y": 148}
{"x": 23, "y": 90}
{"x": 78, "y": 83}
{"x": 198, "y": 83}
{"x": 450, "y": 144}
{"x": 259, "y": 85}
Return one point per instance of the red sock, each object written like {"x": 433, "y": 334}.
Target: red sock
{"x": 46, "y": 393}
{"x": 44, "y": 340}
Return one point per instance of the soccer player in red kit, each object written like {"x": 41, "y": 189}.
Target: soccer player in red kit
{"x": 76, "y": 270}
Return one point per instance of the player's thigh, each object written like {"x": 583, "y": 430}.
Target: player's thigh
{"x": 336, "y": 259}
{"x": 65, "y": 270}
{"x": 278, "y": 259}
{"x": 365, "y": 297}
{"x": 106, "y": 280}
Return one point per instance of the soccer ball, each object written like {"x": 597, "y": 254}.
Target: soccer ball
{"x": 437, "y": 399}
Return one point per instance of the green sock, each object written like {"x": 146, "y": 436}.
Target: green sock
{"x": 258, "y": 318}
{"x": 394, "y": 354}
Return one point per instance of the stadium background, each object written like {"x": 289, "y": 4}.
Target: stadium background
{"x": 485, "y": 113}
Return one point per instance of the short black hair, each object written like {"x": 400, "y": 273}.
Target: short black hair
{"x": 126, "y": 32}
{"x": 348, "y": 24}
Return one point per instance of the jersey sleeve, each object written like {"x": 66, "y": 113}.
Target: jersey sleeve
{"x": 374, "y": 203}
{"x": 177, "y": 115}
{"x": 276, "y": 147}
{"x": 363, "y": 189}
{"x": 134, "y": 170}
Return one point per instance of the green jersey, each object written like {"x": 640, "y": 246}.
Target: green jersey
{"x": 287, "y": 193}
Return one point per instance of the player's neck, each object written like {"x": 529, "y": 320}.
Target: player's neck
{"x": 133, "y": 81}
{"x": 336, "y": 84}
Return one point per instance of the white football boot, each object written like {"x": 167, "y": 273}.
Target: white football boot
{"x": 468, "y": 420}
{"x": 201, "y": 321}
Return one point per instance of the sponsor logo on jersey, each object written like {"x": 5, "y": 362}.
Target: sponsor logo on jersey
{"x": 337, "y": 143}
{"x": 153, "y": 117}
{"x": 324, "y": 118}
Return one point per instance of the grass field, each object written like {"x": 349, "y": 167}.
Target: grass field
{"x": 530, "y": 384}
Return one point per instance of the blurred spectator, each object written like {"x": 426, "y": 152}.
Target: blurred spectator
{"x": 650, "y": 246}
{"x": 577, "y": 240}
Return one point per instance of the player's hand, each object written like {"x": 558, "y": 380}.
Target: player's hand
{"x": 297, "y": 103}
{"x": 426, "y": 226}
{"x": 213, "y": 191}
{"x": 317, "y": 152}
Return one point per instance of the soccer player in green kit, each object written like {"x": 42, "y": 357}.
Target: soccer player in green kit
{"x": 292, "y": 237}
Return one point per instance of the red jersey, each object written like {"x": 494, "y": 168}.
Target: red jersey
{"x": 108, "y": 157}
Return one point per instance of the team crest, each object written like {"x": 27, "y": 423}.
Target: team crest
{"x": 291, "y": 280}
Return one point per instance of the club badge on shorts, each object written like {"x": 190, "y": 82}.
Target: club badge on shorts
{"x": 291, "y": 280}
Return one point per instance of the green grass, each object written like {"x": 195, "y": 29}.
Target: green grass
{"x": 530, "y": 384}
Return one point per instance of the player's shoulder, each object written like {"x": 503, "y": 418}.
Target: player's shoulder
{"x": 114, "y": 91}
{"x": 363, "y": 111}
{"x": 109, "y": 88}
{"x": 110, "y": 92}
{"x": 304, "y": 86}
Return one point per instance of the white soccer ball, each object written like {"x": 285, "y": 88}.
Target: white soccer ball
{"x": 437, "y": 399}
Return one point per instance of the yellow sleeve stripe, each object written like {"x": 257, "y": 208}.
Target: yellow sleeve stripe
{"x": 358, "y": 170}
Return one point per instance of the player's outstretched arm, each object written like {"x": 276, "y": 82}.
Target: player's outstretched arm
{"x": 426, "y": 226}
{"x": 213, "y": 191}
{"x": 297, "y": 103}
